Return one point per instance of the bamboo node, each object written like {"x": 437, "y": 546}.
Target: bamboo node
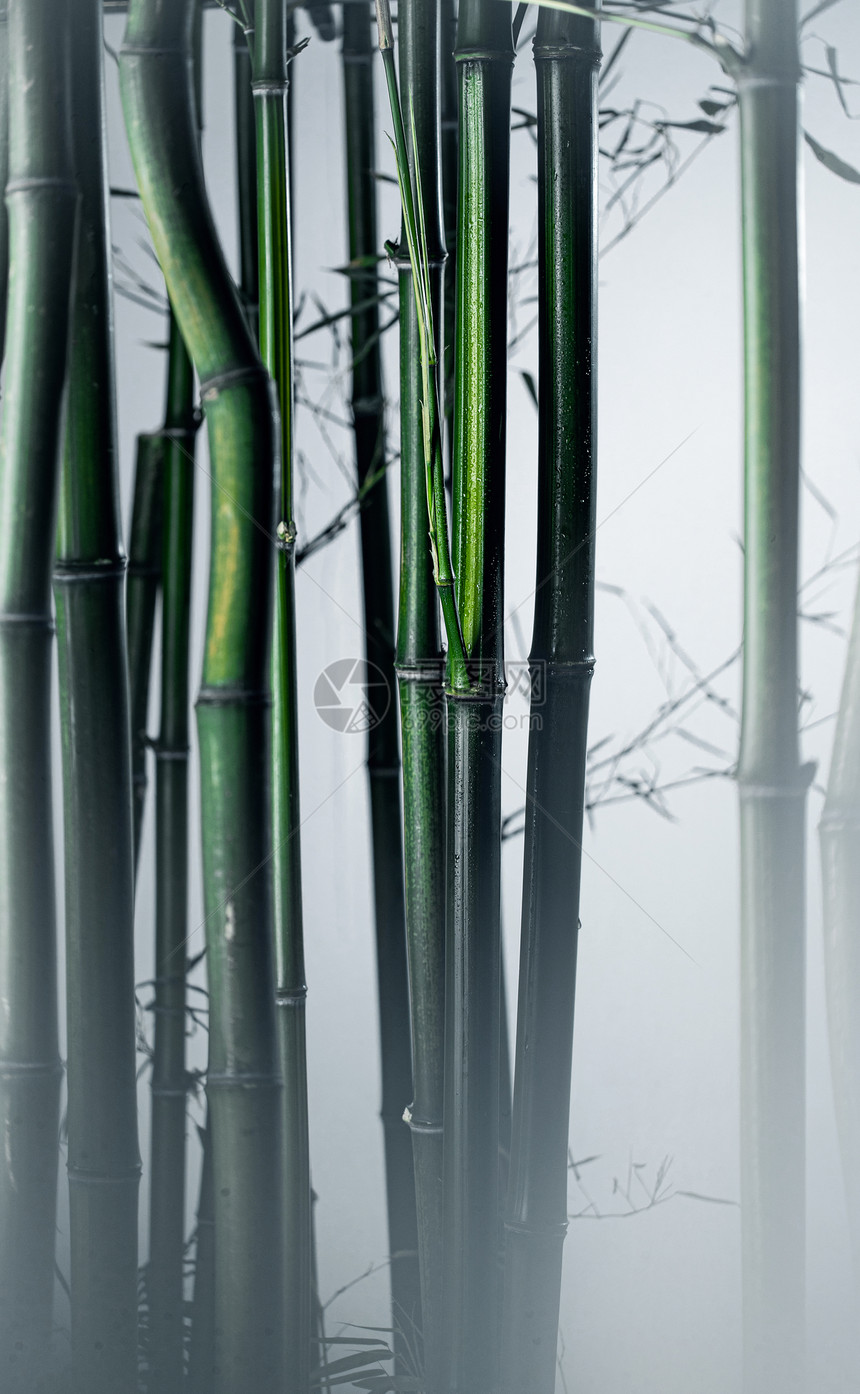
{"x": 233, "y": 377}
{"x": 577, "y": 53}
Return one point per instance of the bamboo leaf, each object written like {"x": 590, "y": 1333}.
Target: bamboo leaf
{"x": 351, "y": 1362}
{"x": 833, "y": 162}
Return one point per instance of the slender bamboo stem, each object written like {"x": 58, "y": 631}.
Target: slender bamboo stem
{"x": 420, "y": 682}
{"x": 246, "y": 175}
{"x": 243, "y": 1086}
{"x": 4, "y": 168}
{"x": 41, "y": 199}
{"x": 201, "y": 1358}
{"x": 169, "y": 1085}
{"x": 276, "y": 344}
{"x": 143, "y": 579}
{"x": 484, "y": 56}
{"x": 841, "y": 884}
{"x": 383, "y": 761}
{"x": 449, "y": 159}
{"x": 561, "y": 662}
{"x": 772, "y": 784}
{"x": 103, "y": 1158}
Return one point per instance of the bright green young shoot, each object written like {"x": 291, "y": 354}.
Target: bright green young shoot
{"x": 419, "y": 260}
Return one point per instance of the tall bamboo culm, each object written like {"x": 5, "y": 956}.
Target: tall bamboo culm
{"x": 420, "y": 683}
{"x": 772, "y": 784}
{"x": 143, "y": 579}
{"x": 837, "y": 831}
{"x": 89, "y": 590}
{"x": 561, "y": 660}
{"x": 4, "y": 168}
{"x": 276, "y": 344}
{"x": 169, "y": 1086}
{"x": 484, "y": 57}
{"x": 383, "y": 760}
{"x": 243, "y": 1084}
{"x": 41, "y": 199}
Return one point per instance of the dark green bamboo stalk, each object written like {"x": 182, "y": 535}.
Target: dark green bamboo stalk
{"x": 484, "y": 56}
{"x": 276, "y": 344}
{"x": 41, "y": 198}
{"x": 840, "y": 868}
{"x": 104, "y": 1164}
{"x": 243, "y": 1085}
{"x": 772, "y": 784}
{"x": 383, "y": 760}
{"x": 561, "y": 663}
{"x": 420, "y": 682}
{"x": 169, "y": 1091}
{"x": 142, "y": 586}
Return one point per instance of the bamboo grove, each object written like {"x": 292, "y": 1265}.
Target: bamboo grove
{"x": 475, "y": 1146}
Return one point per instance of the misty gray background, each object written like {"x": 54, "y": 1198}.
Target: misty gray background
{"x": 651, "y": 1300}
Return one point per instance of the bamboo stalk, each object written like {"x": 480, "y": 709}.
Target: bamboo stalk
{"x": 841, "y": 885}
{"x": 41, "y": 198}
{"x": 143, "y": 579}
{"x": 169, "y": 1086}
{"x": 484, "y": 56}
{"x": 561, "y": 663}
{"x": 449, "y": 159}
{"x": 243, "y": 1086}
{"x": 420, "y": 678}
{"x": 772, "y": 785}
{"x": 103, "y": 1158}
{"x": 276, "y": 343}
{"x": 383, "y": 760}
{"x": 246, "y": 176}
{"x": 201, "y": 1357}
{"x": 4, "y": 169}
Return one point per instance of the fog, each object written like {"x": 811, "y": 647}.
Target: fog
{"x": 651, "y": 1296}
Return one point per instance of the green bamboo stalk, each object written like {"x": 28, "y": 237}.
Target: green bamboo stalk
{"x": 276, "y": 344}
{"x": 772, "y": 784}
{"x": 201, "y": 1357}
{"x": 485, "y": 57}
{"x": 4, "y": 168}
{"x": 561, "y": 663}
{"x": 103, "y": 1158}
{"x": 449, "y": 158}
{"x": 169, "y": 1086}
{"x": 420, "y": 683}
{"x": 143, "y": 579}
{"x": 41, "y": 198}
{"x": 243, "y": 1086}
{"x": 837, "y": 831}
{"x": 246, "y": 175}
{"x": 383, "y": 760}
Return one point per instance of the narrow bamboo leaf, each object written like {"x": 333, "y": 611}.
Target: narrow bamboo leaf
{"x": 833, "y": 162}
